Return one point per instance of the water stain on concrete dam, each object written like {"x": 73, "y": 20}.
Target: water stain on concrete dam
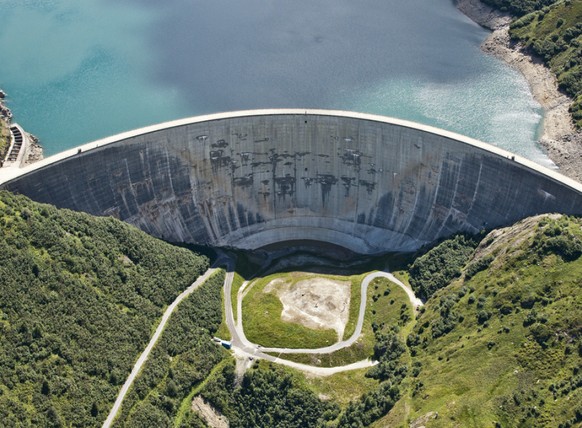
{"x": 248, "y": 179}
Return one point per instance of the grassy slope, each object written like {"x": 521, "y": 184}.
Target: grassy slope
{"x": 79, "y": 298}
{"x": 518, "y": 364}
{"x": 555, "y": 34}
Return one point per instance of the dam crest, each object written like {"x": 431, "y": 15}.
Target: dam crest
{"x": 247, "y": 179}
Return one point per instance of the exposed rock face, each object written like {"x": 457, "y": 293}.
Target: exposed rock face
{"x": 483, "y": 14}
{"x": 34, "y": 151}
{"x": 367, "y": 183}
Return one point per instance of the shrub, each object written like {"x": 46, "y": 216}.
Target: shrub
{"x": 483, "y": 316}
{"x": 440, "y": 265}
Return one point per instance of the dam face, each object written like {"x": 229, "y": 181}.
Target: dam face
{"x": 249, "y": 179}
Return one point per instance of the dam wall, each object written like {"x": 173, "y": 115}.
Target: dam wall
{"x": 248, "y": 179}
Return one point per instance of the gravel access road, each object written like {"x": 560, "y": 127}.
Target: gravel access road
{"x": 244, "y": 348}
{"x": 144, "y": 356}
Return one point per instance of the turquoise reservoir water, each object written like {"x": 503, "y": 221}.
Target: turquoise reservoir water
{"x": 81, "y": 70}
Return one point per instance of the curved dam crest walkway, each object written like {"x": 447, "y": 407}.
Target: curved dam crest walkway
{"x": 247, "y": 179}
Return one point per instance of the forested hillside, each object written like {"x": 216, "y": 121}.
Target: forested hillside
{"x": 551, "y": 30}
{"x": 519, "y": 7}
{"x": 182, "y": 358}
{"x": 498, "y": 342}
{"x": 79, "y": 298}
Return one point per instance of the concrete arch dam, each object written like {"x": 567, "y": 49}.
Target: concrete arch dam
{"x": 248, "y": 179}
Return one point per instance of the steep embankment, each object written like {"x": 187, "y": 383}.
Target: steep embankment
{"x": 79, "y": 297}
{"x": 543, "y": 46}
{"x": 4, "y": 131}
{"x": 501, "y": 345}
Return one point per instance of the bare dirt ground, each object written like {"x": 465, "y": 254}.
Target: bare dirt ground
{"x": 210, "y": 415}
{"x": 315, "y": 302}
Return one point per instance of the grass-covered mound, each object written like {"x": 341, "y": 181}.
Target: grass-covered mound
{"x": 79, "y": 299}
{"x": 263, "y": 308}
{"x": 502, "y": 346}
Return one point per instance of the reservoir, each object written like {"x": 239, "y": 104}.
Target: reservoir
{"x": 78, "y": 71}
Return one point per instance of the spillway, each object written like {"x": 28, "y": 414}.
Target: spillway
{"x": 247, "y": 179}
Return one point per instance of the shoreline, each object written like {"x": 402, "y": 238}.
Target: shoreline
{"x": 33, "y": 151}
{"x": 560, "y": 139}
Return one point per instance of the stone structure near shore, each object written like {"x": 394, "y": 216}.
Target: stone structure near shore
{"x": 248, "y": 179}
{"x": 17, "y": 147}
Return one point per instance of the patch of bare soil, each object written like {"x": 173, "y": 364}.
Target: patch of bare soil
{"x": 210, "y": 415}
{"x": 315, "y": 302}
{"x": 243, "y": 363}
{"x": 34, "y": 151}
{"x": 421, "y": 421}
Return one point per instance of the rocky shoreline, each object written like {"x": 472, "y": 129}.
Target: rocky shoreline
{"x": 561, "y": 140}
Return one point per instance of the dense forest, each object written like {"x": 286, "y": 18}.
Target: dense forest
{"x": 182, "y": 358}
{"x": 79, "y": 298}
{"x": 551, "y": 30}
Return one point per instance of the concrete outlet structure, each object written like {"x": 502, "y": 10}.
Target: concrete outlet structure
{"x": 248, "y": 179}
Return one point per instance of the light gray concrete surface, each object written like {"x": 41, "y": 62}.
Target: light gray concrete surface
{"x": 247, "y": 179}
{"x": 17, "y": 150}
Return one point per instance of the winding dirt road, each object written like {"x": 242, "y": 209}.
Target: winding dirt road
{"x": 243, "y": 347}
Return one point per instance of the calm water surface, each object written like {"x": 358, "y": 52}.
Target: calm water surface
{"x": 81, "y": 70}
